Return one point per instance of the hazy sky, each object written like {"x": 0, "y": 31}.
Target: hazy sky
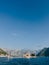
{"x": 24, "y": 24}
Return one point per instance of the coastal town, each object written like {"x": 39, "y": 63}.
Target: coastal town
{"x": 16, "y": 53}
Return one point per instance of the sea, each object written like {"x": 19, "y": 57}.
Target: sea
{"x": 24, "y": 61}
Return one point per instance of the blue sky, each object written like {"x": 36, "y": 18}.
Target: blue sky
{"x": 24, "y": 24}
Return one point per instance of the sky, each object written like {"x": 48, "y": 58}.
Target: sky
{"x": 24, "y": 24}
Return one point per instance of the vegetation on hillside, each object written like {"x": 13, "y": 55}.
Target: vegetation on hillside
{"x": 2, "y": 52}
{"x": 44, "y": 52}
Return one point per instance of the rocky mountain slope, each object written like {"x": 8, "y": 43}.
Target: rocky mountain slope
{"x": 44, "y": 52}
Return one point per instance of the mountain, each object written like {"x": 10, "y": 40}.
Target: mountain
{"x": 2, "y": 52}
{"x": 44, "y": 52}
{"x": 18, "y": 52}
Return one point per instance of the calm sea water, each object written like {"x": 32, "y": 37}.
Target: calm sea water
{"x": 24, "y": 61}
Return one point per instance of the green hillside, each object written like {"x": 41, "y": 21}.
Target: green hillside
{"x": 44, "y": 52}
{"x": 2, "y": 52}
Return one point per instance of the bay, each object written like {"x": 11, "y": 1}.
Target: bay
{"x": 24, "y": 61}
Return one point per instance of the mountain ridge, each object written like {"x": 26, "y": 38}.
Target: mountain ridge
{"x": 44, "y": 52}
